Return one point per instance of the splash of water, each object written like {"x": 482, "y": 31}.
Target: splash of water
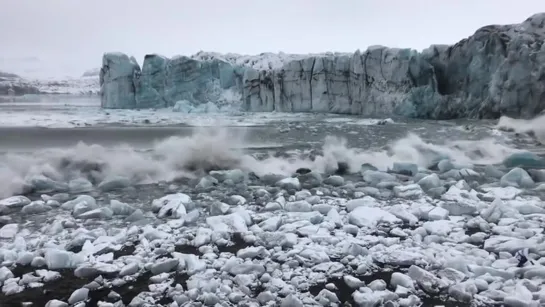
{"x": 535, "y": 126}
{"x": 208, "y": 149}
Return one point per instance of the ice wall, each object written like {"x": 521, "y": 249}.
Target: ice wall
{"x": 119, "y": 78}
{"x": 498, "y": 70}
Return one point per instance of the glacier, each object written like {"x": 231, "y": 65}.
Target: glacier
{"x": 499, "y": 70}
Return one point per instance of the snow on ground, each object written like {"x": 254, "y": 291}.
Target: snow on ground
{"x": 408, "y": 237}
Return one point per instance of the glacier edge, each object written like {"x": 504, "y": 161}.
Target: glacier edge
{"x": 499, "y": 70}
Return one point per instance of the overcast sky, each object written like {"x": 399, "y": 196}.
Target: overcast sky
{"x": 71, "y": 35}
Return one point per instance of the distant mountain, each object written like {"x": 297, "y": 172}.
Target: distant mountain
{"x": 8, "y": 75}
{"x": 95, "y": 72}
{"x": 13, "y": 85}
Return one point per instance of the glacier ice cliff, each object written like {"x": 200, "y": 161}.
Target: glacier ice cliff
{"x": 118, "y": 79}
{"x": 499, "y": 70}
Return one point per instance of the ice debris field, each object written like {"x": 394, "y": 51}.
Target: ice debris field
{"x": 447, "y": 234}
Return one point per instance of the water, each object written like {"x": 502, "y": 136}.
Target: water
{"x": 152, "y": 153}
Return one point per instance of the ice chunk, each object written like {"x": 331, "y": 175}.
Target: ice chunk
{"x": 289, "y": 183}
{"x": 298, "y": 206}
{"x": 129, "y": 269}
{"x": 521, "y": 297}
{"x": 367, "y": 297}
{"x": 361, "y": 202}
{"x": 80, "y": 185}
{"x": 35, "y": 207}
{"x": 99, "y": 213}
{"x": 408, "y": 191}
{"x": 171, "y": 205}
{"x": 5, "y": 274}
{"x": 426, "y": 280}
{"x": 79, "y": 295}
{"x": 409, "y": 169}
{"x": 206, "y": 182}
{"x": 352, "y": 282}
{"x": 502, "y": 192}
{"x": 497, "y": 210}
{"x": 113, "y": 183}
{"x": 235, "y": 175}
{"x": 517, "y": 177}
{"x": 56, "y": 303}
{"x": 9, "y": 231}
{"x": 14, "y": 202}
{"x": 164, "y": 266}
{"x": 375, "y": 177}
{"x": 370, "y": 217}
{"x": 119, "y": 208}
{"x": 492, "y": 171}
{"x": 524, "y": 160}
{"x": 508, "y": 244}
{"x": 59, "y": 259}
{"x": 438, "y": 213}
{"x": 219, "y": 208}
{"x": 233, "y": 222}
{"x": 445, "y": 165}
{"x": 291, "y": 301}
{"x": 83, "y": 207}
{"x": 43, "y": 183}
{"x": 403, "y": 214}
{"x": 430, "y": 182}
{"x": 334, "y": 180}
{"x": 400, "y": 279}
{"x": 82, "y": 200}
{"x": 440, "y": 228}
{"x": 463, "y": 292}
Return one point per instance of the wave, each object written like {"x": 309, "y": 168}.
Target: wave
{"x": 223, "y": 148}
{"x": 534, "y": 127}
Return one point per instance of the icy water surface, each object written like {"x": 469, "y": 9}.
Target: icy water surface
{"x": 298, "y": 134}
{"x": 147, "y": 208}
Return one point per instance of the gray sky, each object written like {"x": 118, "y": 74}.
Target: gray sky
{"x": 69, "y": 36}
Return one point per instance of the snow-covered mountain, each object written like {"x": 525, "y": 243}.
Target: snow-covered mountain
{"x": 14, "y": 85}
{"x": 95, "y": 72}
{"x": 34, "y": 75}
{"x": 496, "y": 71}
